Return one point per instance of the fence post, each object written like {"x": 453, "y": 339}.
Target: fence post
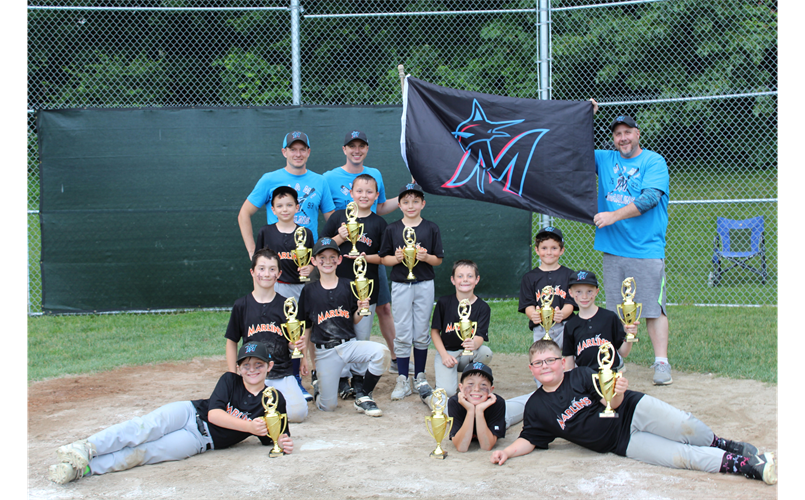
{"x": 544, "y": 69}
{"x": 295, "y": 77}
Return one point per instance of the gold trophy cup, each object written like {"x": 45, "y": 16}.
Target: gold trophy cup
{"x": 546, "y": 311}
{"x": 465, "y": 329}
{"x": 606, "y": 378}
{"x": 439, "y": 422}
{"x": 301, "y": 254}
{"x": 629, "y": 312}
{"x": 409, "y": 251}
{"x": 354, "y": 229}
{"x": 362, "y": 288}
{"x": 292, "y": 329}
{"x": 276, "y": 423}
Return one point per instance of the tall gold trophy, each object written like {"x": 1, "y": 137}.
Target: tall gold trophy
{"x": 606, "y": 378}
{"x": 354, "y": 229}
{"x": 629, "y": 312}
{"x": 409, "y": 251}
{"x": 301, "y": 254}
{"x": 292, "y": 329}
{"x": 362, "y": 288}
{"x": 276, "y": 423}
{"x": 465, "y": 329}
{"x": 546, "y": 311}
{"x": 439, "y": 422}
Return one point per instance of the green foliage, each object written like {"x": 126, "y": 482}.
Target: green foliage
{"x": 248, "y": 80}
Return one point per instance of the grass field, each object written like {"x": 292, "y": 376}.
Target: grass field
{"x": 727, "y": 341}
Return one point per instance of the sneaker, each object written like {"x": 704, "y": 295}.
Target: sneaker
{"x": 761, "y": 467}
{"x": 393, "y": 366}
{"x": 737, "y": 447}
{"x": 344, "y": 389}
{"x": 365, "y": 404}
{"x": 63, "y": 473}
{"x": 77, "y": 454}
{"x": 422, "y": 387}
{"x": 402, "y": 389}
{"x": 662, "y": 373}
{"x": 306, "y": 394}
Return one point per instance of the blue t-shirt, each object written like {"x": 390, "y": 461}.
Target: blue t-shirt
{"x": 340, "y": 182}
{"x": 314, "y": 196}
{"x": 620, "y": 181}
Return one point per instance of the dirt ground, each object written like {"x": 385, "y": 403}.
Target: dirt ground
{"x": 346, "y": 454}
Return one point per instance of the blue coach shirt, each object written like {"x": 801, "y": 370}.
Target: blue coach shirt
{"x": 340, "y": 182}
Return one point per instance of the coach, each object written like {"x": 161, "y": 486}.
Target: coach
{"x": 630, "y": 230}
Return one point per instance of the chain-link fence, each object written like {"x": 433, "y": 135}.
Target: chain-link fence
{"x": 699, "y": 76}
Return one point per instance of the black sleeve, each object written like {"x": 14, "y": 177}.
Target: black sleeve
{"x": 233, "y": 329}
{"x": 568, "y": 347}
{"x": 527, "y": 295}
{"x": 221, "y": 395}
{"x": 387, "y": 243}
{"x": 331, "y": 226}
{"x": 483, "y": 320}
{"x": 436, "y": 320}
{"x": 438, "y": 249}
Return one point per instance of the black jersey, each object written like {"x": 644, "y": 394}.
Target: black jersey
{"x": 535, "y": 280}
{"x": 369, "y": 243}
{"x": 495, "y": 417}
{"x": 571, "y": 413}
{"x": 445, "y": 316}
{"x": 328, "y": 313}
{"x": 282, "y": 244}
{"x": 250, "y": 320}
{"x": 427, "y": 237}
{"x": 583, "y": 336}
{"x": 232, "y": 396}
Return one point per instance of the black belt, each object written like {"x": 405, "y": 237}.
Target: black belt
{"x": 330, "y": 345}
{"x": 201, "y": 428}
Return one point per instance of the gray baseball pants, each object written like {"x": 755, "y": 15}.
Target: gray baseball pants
{"x": 330, "y": 364}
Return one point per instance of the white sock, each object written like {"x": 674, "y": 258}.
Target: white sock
{"x": 661, "y": 360}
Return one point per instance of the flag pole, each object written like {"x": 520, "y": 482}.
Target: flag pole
{"x": 401, "y": 72}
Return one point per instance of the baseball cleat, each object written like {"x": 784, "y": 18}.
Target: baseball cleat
{"x": 662, "y": 373}
{"x": 63, "y": 473}
{"x": 762, "y": 467}
{"x": 423, "y": 388}
{"x": 344, "y": 389}
{"x": 402, "y": 388}
{"x": 365, "y": 404}
{"x": 77, "y": 454}
{"x": 737, "y": 447}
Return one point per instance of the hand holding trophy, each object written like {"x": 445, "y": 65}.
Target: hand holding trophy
{"x": 465, "y": 329}
{"x": 362, "y": 288}
{"x": 301, "y": 254}
{"x": 292, "y": 329}
{"x": 276, "y": 423}
{"x": 439, "y": 422}
{"x": 546, "y": 311}
{"x": 409, "y": 251}
{"x": 354, "y": 229}
{"x": 606, "y": 378}
{"x": 629, "y": 311}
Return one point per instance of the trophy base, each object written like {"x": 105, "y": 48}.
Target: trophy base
{"x": 304, "y": 279}
{"x": 438, "y": 456}
{"x": 365, "y": 312}
{"x": 275, "y": 454}
{"x": 547, "y": 337}
{"x": 297, "y": 355}
{"x": 354, "y": 253}
{"x": 604, "y": 414}
{"x": 631, "y": 339}
{"x": 411, "y": 277}
{"x": 467, "y": 353}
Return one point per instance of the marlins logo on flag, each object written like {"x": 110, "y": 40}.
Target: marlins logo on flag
{"x": 525, "y": 153}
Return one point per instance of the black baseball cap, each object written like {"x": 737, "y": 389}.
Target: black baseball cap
{"x": 477, "y": 368}
{"x": 323, "y": 244}
{"x": 294, "y": 136}
{"x": 412, "y": 188}
{"x": 550, "y": 230}
{"x": 582, "y": 278}
{"x": 626, "y": 120}
{"x": 355, "y": 134}
{"x": 254, "y": 350}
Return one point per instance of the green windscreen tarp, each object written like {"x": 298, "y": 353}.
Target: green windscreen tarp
{"x": 139, "y": 206}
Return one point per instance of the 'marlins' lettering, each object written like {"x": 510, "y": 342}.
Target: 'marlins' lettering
{"x": 333, "y": 313}
{"x": 597, "y": 341}
{"x": 574, "y": 408}
{"x": 263, "y": 327}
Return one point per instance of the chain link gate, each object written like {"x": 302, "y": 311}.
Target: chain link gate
{"x": 700, "y": 77}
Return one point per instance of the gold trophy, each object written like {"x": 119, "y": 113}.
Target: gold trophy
{"x": 465, "y": 329}
{"x": 354, "y": 229}
{"x": 292, "y": 329}
{"x": 276, "y": 423}
{"x": 629, "y": 312}
{"x": 362, "y": 288}
{"x": 606, "y": 378}
{"x": 301, "y": 254}
{"x": 409, "y": 252}
{"x": 439, "y": 422}
{"x": 546, "y": 311}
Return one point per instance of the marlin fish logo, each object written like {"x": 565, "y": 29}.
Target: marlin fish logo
{"x": 475, "y": 136}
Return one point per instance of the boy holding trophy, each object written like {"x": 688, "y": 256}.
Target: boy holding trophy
{"x": 451, "y": 346}
{"x": 182, "y": 429}
{"x": 567, "y": 406}
{"x": 411, "y": 246}
{"x": 258, "y": 317}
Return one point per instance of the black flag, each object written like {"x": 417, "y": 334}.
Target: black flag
{"x": 524, "y": 153}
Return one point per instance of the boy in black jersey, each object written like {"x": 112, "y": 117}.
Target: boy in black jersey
{"x": 181, "y": 429}
{"x": 647, "y": 429}
{"x": 592, "y": 326}
{"x": 258, "y": 317}
{"x": 330, "y": 311}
